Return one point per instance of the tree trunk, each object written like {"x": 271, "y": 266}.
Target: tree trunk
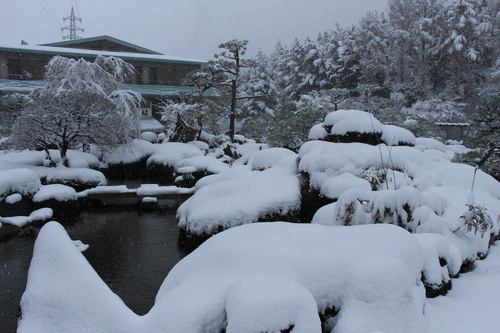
{"x": 233, "y": 110}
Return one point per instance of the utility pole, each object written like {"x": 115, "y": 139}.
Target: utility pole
{"x": 72, "y": 26}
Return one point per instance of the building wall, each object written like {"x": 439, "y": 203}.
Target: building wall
{"x": 30, "y": 66}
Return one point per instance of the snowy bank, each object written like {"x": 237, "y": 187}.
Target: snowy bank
{"x": 264, "y": 277}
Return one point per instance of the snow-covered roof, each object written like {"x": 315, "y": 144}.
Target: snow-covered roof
{"x": 66, "y": 51}
{"x": 24, "y": 86}
{"x": 104, "y": 37}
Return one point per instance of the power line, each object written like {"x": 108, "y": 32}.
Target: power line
{"x": 77, "y": 9}
{"x": 41, "y": 4}
{"x": 53, "y": 16}
{"x": 59, "y": 8}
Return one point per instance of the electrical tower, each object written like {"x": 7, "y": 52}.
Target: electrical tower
{"x": 72, "y": 26}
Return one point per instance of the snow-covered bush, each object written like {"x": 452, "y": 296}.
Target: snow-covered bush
{"x": 397, "y": 136}
{"x": 78, "y": 178}
{"x": 25, "y": 157}
{"x": 149, "y": 136}
{"x": 417, "y": 188}
{"x": 23, "y": 181}
{"x": 264, "y": 277}
{"x": 353, "y": 126}
{"x": 129, "y": 161}
{"x": 161, "y": 164}
{"x": 248, "y": 197}
{"x": 125, "y": 154}
{"x": 267, "y": 158}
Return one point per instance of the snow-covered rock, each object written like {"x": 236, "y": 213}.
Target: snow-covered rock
{"x": 57, "y": 192}
{"x": 264, "y": 277}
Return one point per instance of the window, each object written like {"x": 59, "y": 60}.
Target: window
{"x": 15, "y": 69}
{"x": 138, "y": 75}
{"x": 153, "y": 75}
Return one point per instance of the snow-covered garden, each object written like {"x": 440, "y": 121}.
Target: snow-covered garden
{"x": 355, "y": 230}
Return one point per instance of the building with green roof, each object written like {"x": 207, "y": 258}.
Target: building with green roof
{"x": 157, "y": 76}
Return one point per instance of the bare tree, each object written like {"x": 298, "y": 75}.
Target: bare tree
{"x": 81, "y": 103}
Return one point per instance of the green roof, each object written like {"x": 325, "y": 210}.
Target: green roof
{"x": 157, "y": 90}
{"x": 104, "y": 37}
{"x": 24, "y": 86}
{"x": 82, "y": 53}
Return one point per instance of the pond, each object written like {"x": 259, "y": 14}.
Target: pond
{"x": 131, "y": 251}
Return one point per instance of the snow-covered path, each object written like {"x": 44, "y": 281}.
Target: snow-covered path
{"x": 473, "y": 304}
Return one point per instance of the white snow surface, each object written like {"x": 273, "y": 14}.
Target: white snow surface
{"x": 42, "y": 214}
{"x": 130, "y": 153}
{"x": 76, "y": 158}
{"x": 317, "y": 132}
{"x": 22, "y": 181}
{"x": 203, "y": 163}
{"x": 26, "y": 157}
{"x": 238, "y": 198}
{"x": 58, "y": 192}
{"x": 13, "y": 198}
{"x": 267, "y": 158}
{"x": 471, "y": 306}
{"x": 344, "y": 121}
{"x": 60, "y": 173}
{"x": 428, "y": 195}
{"x": 335, "y": 186}
{"x": 169, "y": 153}
{"x": 265, "y": 276}
{"x": 395, "y": 135}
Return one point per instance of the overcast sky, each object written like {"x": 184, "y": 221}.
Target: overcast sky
{"x": 183, "y": 28}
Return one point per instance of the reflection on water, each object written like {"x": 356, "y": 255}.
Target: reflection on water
{"x": 131, "y": 251}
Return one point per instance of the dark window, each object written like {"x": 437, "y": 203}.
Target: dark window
{"x": 138, "y": 75}
{"x": 153, "y": 75}
{"x": 15, "y": 69}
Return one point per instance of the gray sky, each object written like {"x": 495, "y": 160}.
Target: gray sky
{"x": 184, "y": 28}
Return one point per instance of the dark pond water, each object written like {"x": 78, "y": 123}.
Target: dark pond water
{"x": 131, "y": 251}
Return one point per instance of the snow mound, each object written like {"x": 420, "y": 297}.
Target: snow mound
{"x": 149, "y": 136}
{"x": 169, "y": 153}
{"x": 228, "y": 203}
{"x": 396, "y": 136}
{"x": 79, "y": 177}
{"x": 23, "y": 181}
{"x": 370, "y": 276}
{"x": 334, "y": 187}
{"x": 55, "y": 191}
{"x": 264, "y": 277}
{"x": 267, "y": 158}
{"x": 345, "y": 121}
{"x": 204, "y": 163}
{"x": 76, "y": 159}
{"x": 64, "y": 293}
{"x": 133, "y": 152}
{"x": 318, "y": 132}
{"x": 25, "y": 157}
{"x": 42, "y": 214}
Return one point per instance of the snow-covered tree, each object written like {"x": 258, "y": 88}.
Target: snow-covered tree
{"x": 184, "y": 119}
{"x": 80, "y": 103}
{"x": 10, "y": 107}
